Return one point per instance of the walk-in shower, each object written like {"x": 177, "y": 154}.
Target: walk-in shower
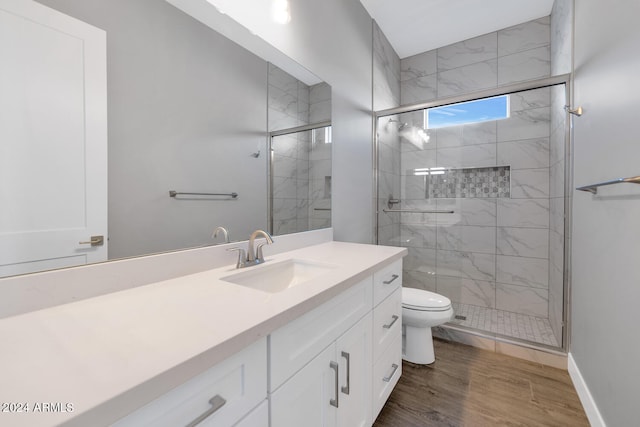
{"x": 474, "y": 187}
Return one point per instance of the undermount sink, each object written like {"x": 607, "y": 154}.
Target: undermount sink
{"x": 279, "y": 276}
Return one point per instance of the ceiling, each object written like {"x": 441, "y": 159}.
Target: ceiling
{"x": 416, "y": 26}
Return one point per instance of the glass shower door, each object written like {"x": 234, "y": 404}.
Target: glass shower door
{"x": 300, "y": 180}
{"x": 478, "y": 200}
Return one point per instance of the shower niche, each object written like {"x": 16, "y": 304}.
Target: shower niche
{"x": 476, "y": 192}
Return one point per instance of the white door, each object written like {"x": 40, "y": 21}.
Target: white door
{"x": 53, "y": 139}
{"x": 305, "y": 399}
{"x": 354, "y": 355}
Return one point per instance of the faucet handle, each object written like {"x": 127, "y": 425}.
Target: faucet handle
{"x": 242, "y": 256}
{"x": 259, "y": 255}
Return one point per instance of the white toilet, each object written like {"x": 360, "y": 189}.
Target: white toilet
{"x": 421, "y": 310}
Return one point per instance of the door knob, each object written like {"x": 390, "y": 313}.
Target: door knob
{"x": 95, "y": 241}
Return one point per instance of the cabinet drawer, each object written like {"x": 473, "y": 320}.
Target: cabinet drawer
{"x": 241, "y": 380}
{"x": 259, "y": 417}
{"x": 386, "y": 372}
{"x": 386, "y": 281}
{"x": 295, "y": 344}
{"x": 387, "y": 322}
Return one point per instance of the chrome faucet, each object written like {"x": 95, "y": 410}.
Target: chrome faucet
{"x": 224, "y": 232}
{"x": 252, "y": 257}
{"x": 257, "y": 258}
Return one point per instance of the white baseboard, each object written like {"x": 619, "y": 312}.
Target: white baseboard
{"x": 589, "y": 405}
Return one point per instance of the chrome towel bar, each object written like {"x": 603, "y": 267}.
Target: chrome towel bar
{"x": 593, "y": 188}
{"x": 176, "y": 193}
{"x": 416, "y": 211}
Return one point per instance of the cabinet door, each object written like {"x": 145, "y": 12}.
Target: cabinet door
{"x": 296, "y": 343}
{"x": 259, "y": 417}
{"x": 386, "y": 373}
{"x": 305, "y": 399}
{"x": 387, "y": 323}
{"x": 354, "y": 356}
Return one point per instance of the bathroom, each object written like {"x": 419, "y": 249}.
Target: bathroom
{"x": 143, "y": 218}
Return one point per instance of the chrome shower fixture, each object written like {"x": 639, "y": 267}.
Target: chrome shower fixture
{"x": 401, "y": 125}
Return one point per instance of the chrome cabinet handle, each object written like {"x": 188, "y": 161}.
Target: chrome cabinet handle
{"x": 345, "y": 389}
{"x": 393, "y": 277}
{"x": 394, "y": 319}
{"x": 216, "y": 402}
{"x": 395, "y": 368}
{"x": 334, "y": 402}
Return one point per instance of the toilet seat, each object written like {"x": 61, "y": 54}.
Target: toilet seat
{"x": 421, "y": 300}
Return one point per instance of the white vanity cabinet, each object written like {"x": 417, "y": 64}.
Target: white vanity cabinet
{"x": 321, "y": 364}
{"x": 337, "y": 364}
{"x": 259, "y": 417}
{"x": 225, "y": 395}
{"x": 334, "y": 366}
{"x": 295, "y": 344}
{"x": 387, "y": 334}
{"x": 333, "y": 389}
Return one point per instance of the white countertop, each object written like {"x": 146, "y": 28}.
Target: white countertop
{"x": 111, "y": 354}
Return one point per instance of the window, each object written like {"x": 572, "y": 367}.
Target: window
{"x": 480, "y": 110}
{"x": 321, "y": 135}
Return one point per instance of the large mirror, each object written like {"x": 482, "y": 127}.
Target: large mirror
{"x": 187, "y": 136}
{"x": 300, "y": 144}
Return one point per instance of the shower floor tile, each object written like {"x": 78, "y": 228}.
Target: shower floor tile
{"x": 514, "y": 325}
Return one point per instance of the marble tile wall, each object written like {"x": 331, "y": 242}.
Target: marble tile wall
{"x": 557, "y": 217}
{"x": 561, "y": 43}
{"x": 319, "y": 166}
{"x": 386, "y": 94}
{"x": 492, "y": 252}
{"x": 561, "y": 36}
{"x": 289, "y": 106}
{"x": 514, "y": 54}
{"x": 386, "y": 72}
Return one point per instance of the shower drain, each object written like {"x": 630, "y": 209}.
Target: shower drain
{"x": 460, "y": 317}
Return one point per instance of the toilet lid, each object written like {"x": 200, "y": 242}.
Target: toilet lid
{"x": 418, "y": 299}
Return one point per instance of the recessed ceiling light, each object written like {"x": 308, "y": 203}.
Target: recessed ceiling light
{"x": 281, "y": 11}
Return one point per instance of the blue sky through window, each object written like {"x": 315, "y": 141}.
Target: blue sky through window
{"x": 480, "y": 110}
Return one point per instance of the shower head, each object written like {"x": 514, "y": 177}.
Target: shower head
{"x": 413, "y": 134}
{"x": 401, "y": 125}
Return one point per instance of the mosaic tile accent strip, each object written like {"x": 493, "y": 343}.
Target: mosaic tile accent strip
{"x": 471, "y": 183}
{"x": 514, "y": 325}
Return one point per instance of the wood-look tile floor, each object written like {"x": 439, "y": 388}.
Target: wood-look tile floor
{"x": 467, "y": 386}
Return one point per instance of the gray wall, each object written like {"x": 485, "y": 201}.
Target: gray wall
{"x": 606, "y": 230}
{"x": 186, "y": 108}
{"x": 340, "y": 53}
{"x": 386, "y": 94}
